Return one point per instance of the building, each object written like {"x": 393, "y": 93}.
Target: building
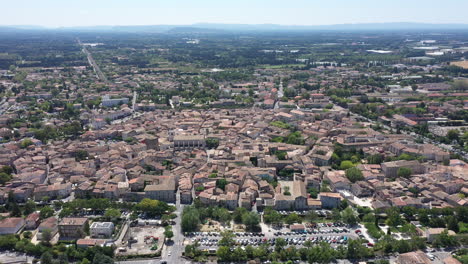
{"x": 11, "y": 225}
{"x": 433, "y": 233}
{"x": 50, "y": 224}
{"x": 86, "y": 243}
{"x": 101, "y": 229}
{"x": 416, "y": 257}
{"x": 108, "y": 102}
{"x": 164, "y": 190}
{"x": 189, "y": 141}
{"x": 72, "y": 227}
{"x": 330, "y": 200}
{"x": 32, "y": 221}
{"x": 390, "y": 169}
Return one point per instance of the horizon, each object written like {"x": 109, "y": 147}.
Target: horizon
{"x": 86, "y": 13}
{"x": 232, "y": 24}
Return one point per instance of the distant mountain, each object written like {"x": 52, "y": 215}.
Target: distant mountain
{"x": 218, "y": 28}
{"x": 362, "y": 26}
{"x": 194, "y": 29}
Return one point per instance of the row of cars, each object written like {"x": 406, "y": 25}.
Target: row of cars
{"x": 298, "y": 241}
{"x": 313, "y": 231}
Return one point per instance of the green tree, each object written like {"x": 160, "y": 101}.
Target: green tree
{"x": 152, "y": 207}
{"x": 221, "y": 183}
{"x": 445, "y": 240}
{"x": 375, "y": 159}
{"x": 354, "y": 174}
{"x": 452, "y": 223}
{"x": 293, "y": 218}
{"x": 313, "y": 192}
{"x": 29, "y": 207}
{"x": 356, "y": 250}
{"x": 112, "y": 213}
{"x": 394, "y": 218}
{"x": 349, "y": 216}
{"x": 46, "y": 212}
{"x": 100, "y": 258}
{"x": 238, "y": 213}
{"x": 4, "y": 177}
{"x": 251, "y": 220}
{"x": 453, "y": 134}
{"x": 404, "y": 172}
{"x": 46, "y": 258}
{"x": 227, "y": 239}
{"x": 272, "y": 216}
{"x": 168, "y": 232}
{"x": 190, "y": 219}
{"x": 46, "y": 236}
{"x": 223, "y": 253}
{"x": 346, "y": 164}
{"x": 311, "y": 216}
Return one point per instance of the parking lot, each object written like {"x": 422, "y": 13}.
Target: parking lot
{"x": 334, "y": 234}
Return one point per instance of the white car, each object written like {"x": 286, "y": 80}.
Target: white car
{"x": 169, "y": 253}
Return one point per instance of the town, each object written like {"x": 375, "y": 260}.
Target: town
{"x": 188, "y": 148}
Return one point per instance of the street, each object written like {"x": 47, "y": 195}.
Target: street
{"x": 172, "y": 253}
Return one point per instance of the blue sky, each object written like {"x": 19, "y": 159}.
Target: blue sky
{"x": 58, "y": 13}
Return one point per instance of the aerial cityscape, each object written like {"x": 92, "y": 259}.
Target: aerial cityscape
{"x": 234, "y": 143}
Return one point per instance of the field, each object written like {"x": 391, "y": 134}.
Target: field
{"x": 463, "y": 64}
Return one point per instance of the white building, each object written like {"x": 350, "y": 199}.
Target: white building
{"x": 101, "y": 229}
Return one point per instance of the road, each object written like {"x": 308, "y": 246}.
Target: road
{"x": 93, "y": 63}
{"x": 176, "y": 247}
{"x": 280, "y": 95}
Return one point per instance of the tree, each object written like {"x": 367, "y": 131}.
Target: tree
{"x": 445, "y": 240}
{"x": 346, "y": 164}
{"x": 250, "y": 220}
{"x": 14, "y": 210}
{"x": 212, "y": 143}
{"x": 311, "y": 216}
{"x": 46, "y": 258}
{"x": 86, "y": 228}
{"x": 29, "y": 207}
{"x": 227, "y": 239}
{"x": 354, "y": 174}
{"x": 81, "y": 155}
{"x": 168, "y": 232}
{"x": 100, "y": 258}
{"x": 222, "y": 214}
{"x": 190, "y": 219}
{"x": 238, "y": 213}
{"x": 26, "y": 143}
{"x": 271, "y": 216}
{"x": 46, "y": 236}
{"x": 4, "y": 177}
{"x": 393, "y": 217}
{"x": 152, "y": 207}
{"x": 112, "y": 213}
{"x": 293, "y": 218}
{"x": 349, "y": 216}
{"x": 280, "y": 244}
{"x": 453, "y": 134}
{"x": 356, "y": 250}
{"x": 313, "y": 192}
{"x": 452, "y": 224}
{"x": 375, "y": 159}
{"x": 85, "y": 261}
{"x": 404, "y": 172}
{"x": 221, "y": 183}
{"x": 223, "y": 253}
{"x": 46, "y": 212}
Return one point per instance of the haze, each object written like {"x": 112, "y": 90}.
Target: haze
{"x": 60, "y": 13}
